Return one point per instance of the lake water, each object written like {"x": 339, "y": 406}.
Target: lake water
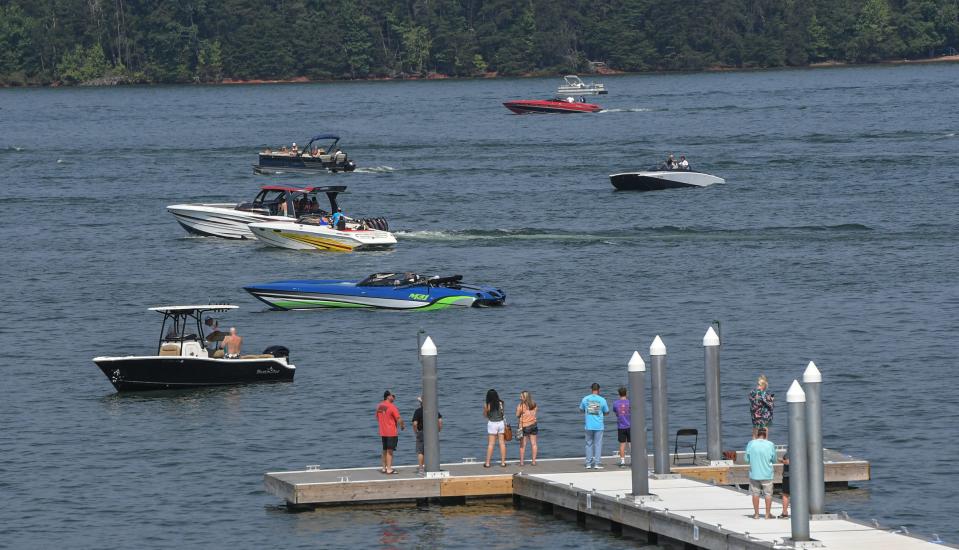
{"x": 833, "y": 240}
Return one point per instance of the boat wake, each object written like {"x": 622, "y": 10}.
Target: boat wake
{"x": 636, "y": 110}
{"x": 375, "y": 170}
{"x": 494, "y": 237}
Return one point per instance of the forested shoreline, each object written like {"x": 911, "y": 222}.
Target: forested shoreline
{"x": 73, "y": 42}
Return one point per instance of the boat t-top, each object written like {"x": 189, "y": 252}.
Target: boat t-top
{"x": 320, "y": 231}
{"x": 187, "y": 358}
{"x": 668, "y": 175}
{"x": 574, "y": 85}
{"x": 274, "y": 203}
{"x": 319, "y": 154}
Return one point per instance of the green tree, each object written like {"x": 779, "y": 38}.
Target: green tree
{"x": 874, "y": 32}
{"x": 83, "y": 64}
{"x": 15, "y": 37}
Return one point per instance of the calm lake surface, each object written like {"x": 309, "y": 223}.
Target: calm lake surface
{"x": 833, "y": 240}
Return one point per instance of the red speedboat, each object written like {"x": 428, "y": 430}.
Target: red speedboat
{"x": 527, "y": 106}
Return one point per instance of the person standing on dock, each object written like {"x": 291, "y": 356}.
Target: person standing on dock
{"x": 621, "y": 409}
{"x": 493, "y": 410}
{"x": 785, "y": 487}
{"x": 528, "y": 429}
{"x": 387, "y": 416}
{"x": 761, "y": 402}
{"x": 417, "y": 423}
{"x": 596, "y": 408}
{"x": 761, "y": 455}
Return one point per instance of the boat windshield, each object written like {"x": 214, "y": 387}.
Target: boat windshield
{"x": 279, "y": 202}
{"x": 390, "y": 279}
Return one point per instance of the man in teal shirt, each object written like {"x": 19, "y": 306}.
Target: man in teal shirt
{"x": 595, "y": 408}
{"x": 761, "y": 455}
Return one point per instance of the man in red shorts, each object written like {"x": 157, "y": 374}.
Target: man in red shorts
{"x": 387, "y": 415}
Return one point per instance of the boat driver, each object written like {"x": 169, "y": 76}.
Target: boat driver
{"x": 670, "y": 163}
{"x": 683, "y": 163}
{"x": 232, "y": 343}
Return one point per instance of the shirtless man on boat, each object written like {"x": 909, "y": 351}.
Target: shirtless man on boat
{"x": 232, "y": 344}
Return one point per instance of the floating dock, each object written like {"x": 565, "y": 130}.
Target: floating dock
{"x": 314, "y": 486}
{"x": 685, "y": 513}
{"x": 699, "y": 505}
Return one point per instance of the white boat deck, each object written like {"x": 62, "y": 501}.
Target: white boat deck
{"x": 723, "y": 510}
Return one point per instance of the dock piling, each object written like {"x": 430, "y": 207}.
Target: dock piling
{"x": 639, "y": 463}
{"x": 714, "y": 444}
{"x": 657, "y": 356}
{"x": 431, "y": 429}
{"x": 812, "y": 383}
{"x": 798, "y": 463}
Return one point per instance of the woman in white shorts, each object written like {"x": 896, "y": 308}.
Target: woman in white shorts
{"x": 495, "y": 426}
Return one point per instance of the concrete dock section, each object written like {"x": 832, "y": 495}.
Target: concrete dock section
{"x": 685, "y": 513}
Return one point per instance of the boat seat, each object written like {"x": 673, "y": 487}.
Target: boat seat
{"x": 170, "y": 348}
{"x": 218, "y": 354}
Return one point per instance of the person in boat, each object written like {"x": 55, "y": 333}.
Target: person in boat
{"x": 683, "y": 163}
{"x": 339, "y": 220}
{"x": 570, "y": 99}
{"x": 294, "y": 149}
{"x": 232, "y": 344}
{"x": 314, "y": 206}
{"x": 214, "y": 327}
{"x": 670, "y": 163}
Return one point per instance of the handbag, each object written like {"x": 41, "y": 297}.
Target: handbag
{"x": 508, "y": 433}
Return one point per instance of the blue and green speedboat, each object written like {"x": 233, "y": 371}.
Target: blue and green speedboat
{"x": 379, "y": 290}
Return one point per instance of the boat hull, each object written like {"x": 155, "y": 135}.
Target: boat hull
{"x": 169, "y": 372}
{"x": 658, "y": 180}
{"x": 313, "y": 294}
{"x": 219, "y": 220}
{"x": 278, "y": 164}
{"x": 297, "y": 236}
{"x": 526, "y": 107}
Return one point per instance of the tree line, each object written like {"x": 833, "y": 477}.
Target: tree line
{"x": 170, "y": 41}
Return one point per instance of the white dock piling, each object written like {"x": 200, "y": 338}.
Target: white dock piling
{"x": 431, "y": 428}
{"x": 657, "y": 356}
{"x": 714, "y": 444}
{"x": 812, "y": 384}
{"x": 798, "y": 463}
{"x": 637, "y": 425}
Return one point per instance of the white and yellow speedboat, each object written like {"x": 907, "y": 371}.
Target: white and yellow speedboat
{"x": 315, "y": 233}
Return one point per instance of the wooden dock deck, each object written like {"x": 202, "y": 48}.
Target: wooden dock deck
{"x": 314, "y": 486}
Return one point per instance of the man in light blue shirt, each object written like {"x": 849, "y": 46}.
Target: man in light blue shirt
{"x": 595, "y": 408}
{"x": 761, "y": 455}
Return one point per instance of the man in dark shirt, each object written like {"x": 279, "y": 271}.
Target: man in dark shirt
{"x": 418, "y": 430}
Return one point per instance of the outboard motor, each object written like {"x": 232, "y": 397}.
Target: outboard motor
{"x": 377, "y": 223}
{"x": 277, "y": 351}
